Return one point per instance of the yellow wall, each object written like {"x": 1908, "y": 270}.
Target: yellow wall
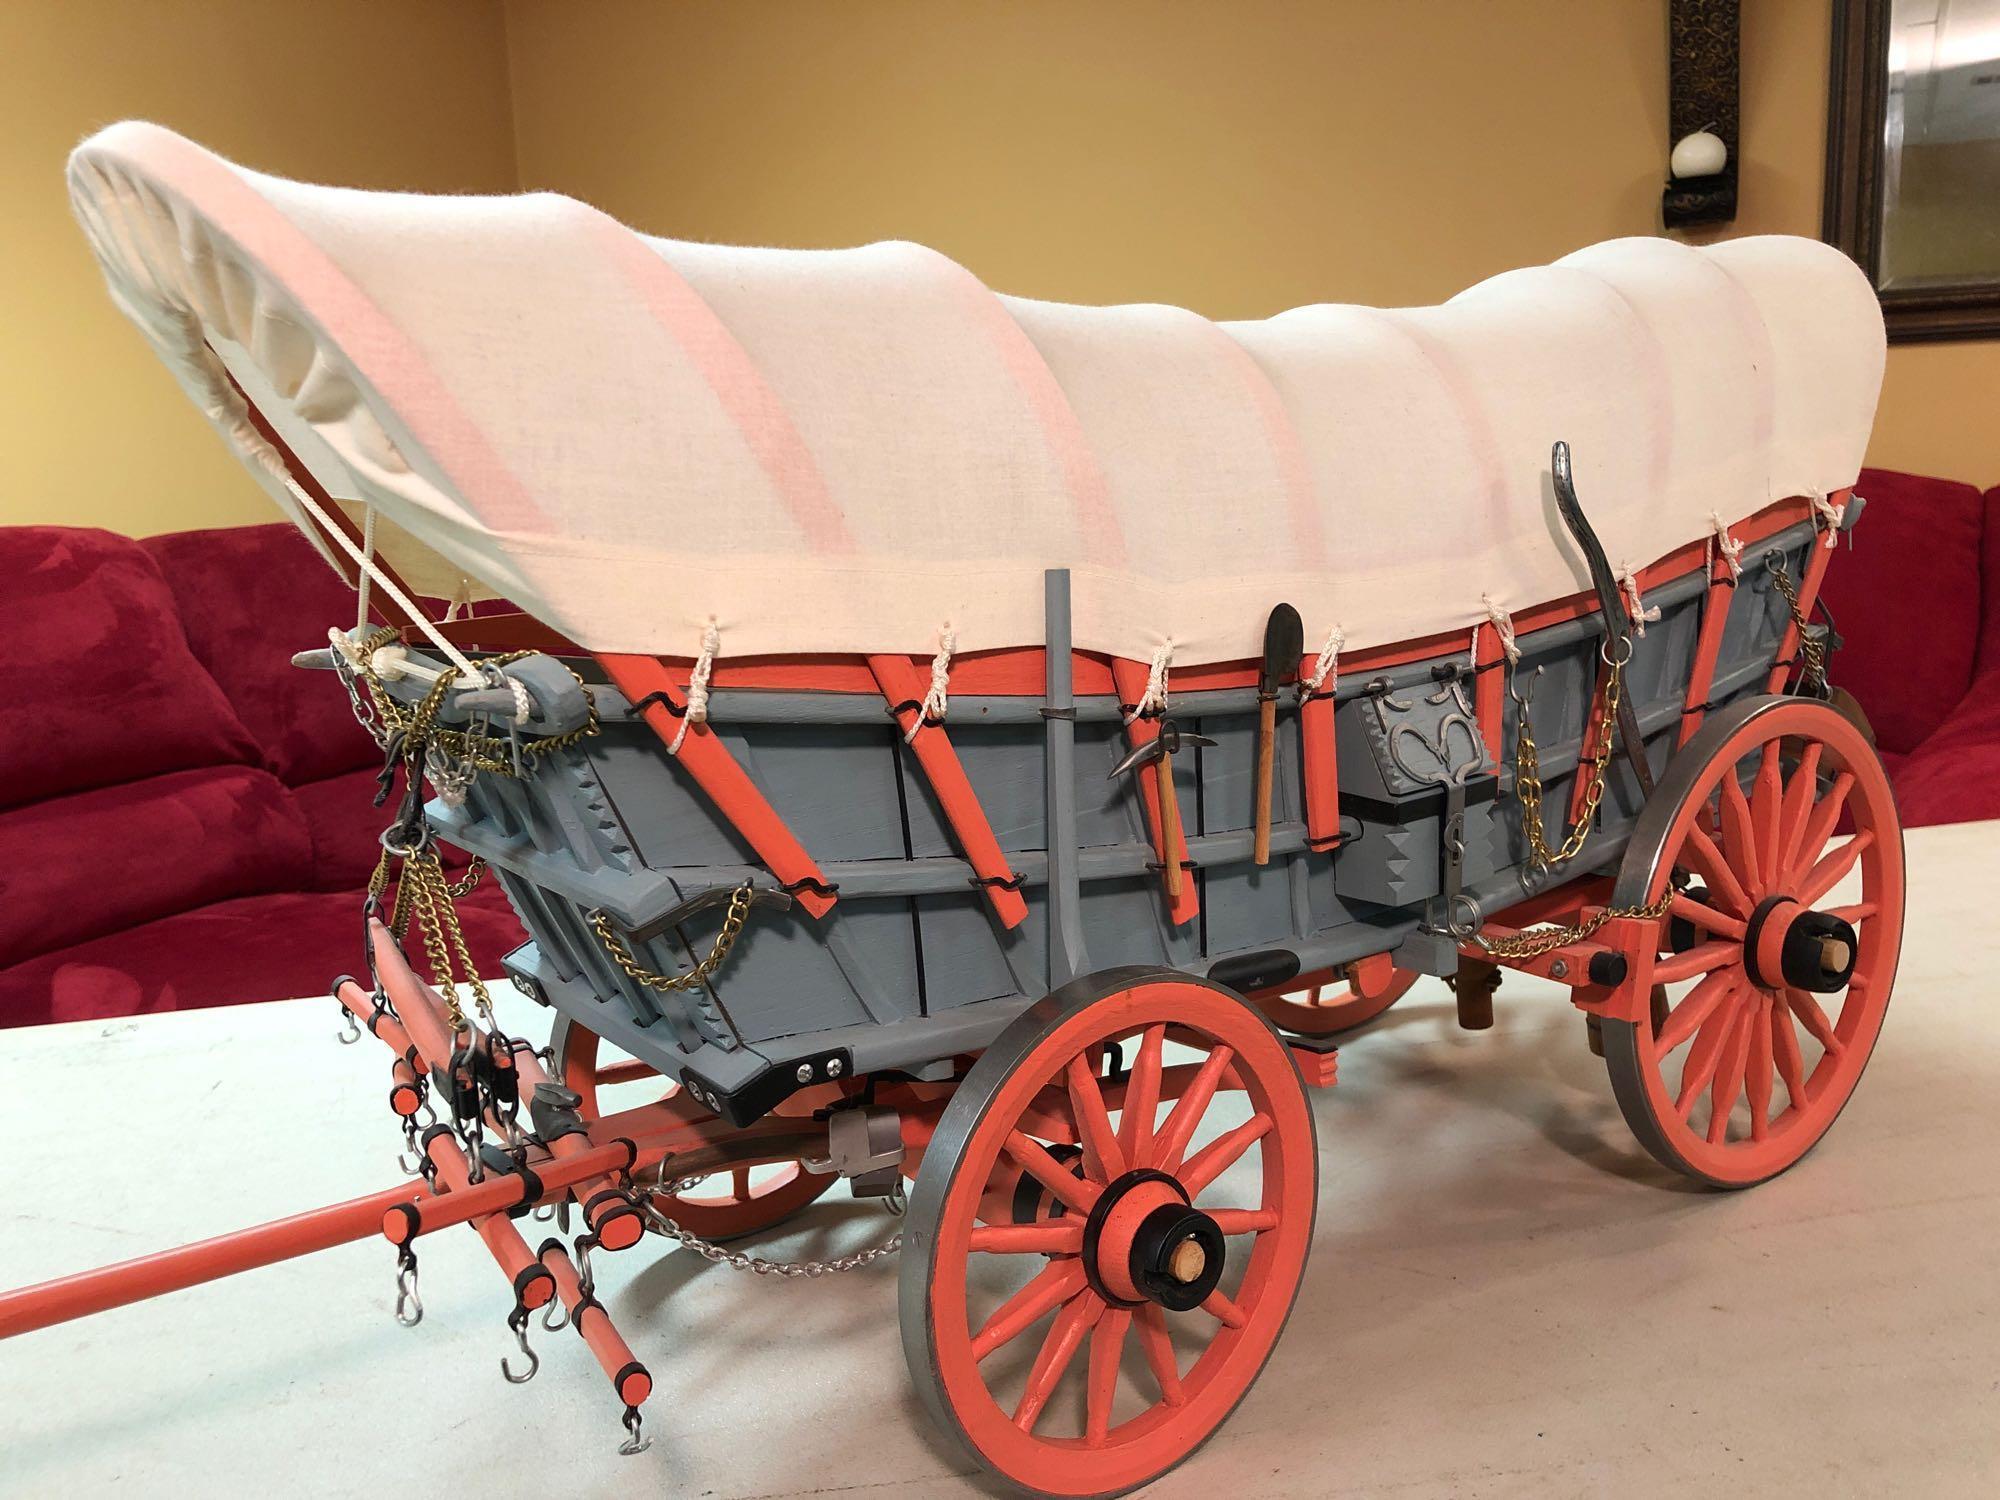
{"x": 1236, "y": 157}
{"x": 411, "y": 94}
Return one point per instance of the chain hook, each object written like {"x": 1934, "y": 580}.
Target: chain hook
{"x": 635, "y": 1442}
{"x": 556, "y": 1318}
{"x": 409, "y": 1306}
{"x": 518, "y": 1321}
{"x": 350, "y": 1031}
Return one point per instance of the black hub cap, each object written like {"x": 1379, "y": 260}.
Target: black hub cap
{"x": 1177, "y": 1251}
{"x": 1818, "y": 953}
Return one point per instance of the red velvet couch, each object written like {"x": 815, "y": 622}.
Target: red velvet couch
{"x": 185, "y": 818}
{"x": 1917, "y": 599}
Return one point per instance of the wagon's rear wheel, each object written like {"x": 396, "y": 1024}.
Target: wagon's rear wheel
{"x": 1779, "y": 954}
{"x": 1365, "y": 989}
{"x": 1085, "y": 1336}
{"x": 726, "y": 1205}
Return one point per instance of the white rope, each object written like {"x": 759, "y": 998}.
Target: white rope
{"x": 1472, "y": 651}
{"x": 362, "y": 588}
{"x": 1635, "y": 602}
{"x": 1732, "y": 550}
{"x": 1154, "y": 699}
{"x": 697, "y": 694}
{"x": 937, "y": 701}
{"x": 1327, "y": 668}
{"x": 1834, "y": 515}
{"x": 333, "y": 529}
{"x": 524, "y": 701}
{"x": 1503, "y": 626}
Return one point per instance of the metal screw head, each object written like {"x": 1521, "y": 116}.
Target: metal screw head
{"x": 805, "y": 1073}
{"x": 833, "y": 1068}
{"x": 1559, "y": 968}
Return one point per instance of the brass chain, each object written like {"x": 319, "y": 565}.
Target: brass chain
{"x": 1528, "y": 791}
{"x": 480, "y": 752}
{"x": 1528, "y": 779}
{"x": 1812, "y": 650}
{"x": 732, "y": 928}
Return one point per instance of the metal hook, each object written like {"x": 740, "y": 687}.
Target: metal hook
{"x": 1523, "y": 701}
{"x": 556, "y": 1318}
{"x": 409, "y": 1306}
{"x": 518, "y": 1321}
{"x": 634, "y": 1444}
{"x": 350, "y": 1033}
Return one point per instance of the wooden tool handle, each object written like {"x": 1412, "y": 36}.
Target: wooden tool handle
{"x": 1172, "y": 846}
{"x": 1267, "y": 735}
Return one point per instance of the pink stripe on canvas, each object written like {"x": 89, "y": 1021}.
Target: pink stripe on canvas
{"x": 766, "y": 426}
{"x": 1287, "y": 452}
{"x": 379, "y": 350}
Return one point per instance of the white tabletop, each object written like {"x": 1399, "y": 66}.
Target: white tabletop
{"x": 1506, "y": 1296}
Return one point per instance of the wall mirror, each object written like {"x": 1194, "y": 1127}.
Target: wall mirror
{"x": 1913, "y": 160}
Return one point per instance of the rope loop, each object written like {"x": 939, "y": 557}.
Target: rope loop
{"x": 1732, "y": 550}
{"x": 1830, "y": 513}
{"x": 1635, "y": 603}
{"x": 1503, "y": 626}
{"x": 697, "y": 691}
{"x": 1326, "y": 668}
{"x": 1153, "y": 702}
{"x": 937, "y": 699}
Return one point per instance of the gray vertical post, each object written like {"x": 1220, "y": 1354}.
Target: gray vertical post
{"x": 1066, "y": 951}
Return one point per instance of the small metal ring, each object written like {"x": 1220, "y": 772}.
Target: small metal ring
{"x": 1604, "y": 652}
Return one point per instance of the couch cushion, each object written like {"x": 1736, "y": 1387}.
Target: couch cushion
{"x": 1954, "y": 776}
{"x": 1908, "y": 601}
{"x": 99, "y": 683}
{"x": 1989, "y": 573}
{"x": 251, "y": 596}
{"x": 95, "y": 862}
{"x": 257, "y": 948}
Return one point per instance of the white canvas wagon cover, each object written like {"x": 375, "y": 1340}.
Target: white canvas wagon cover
{"x": 847, "y": 450}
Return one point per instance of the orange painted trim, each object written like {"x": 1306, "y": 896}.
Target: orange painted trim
{"x": 1593, "y": 747}
{"x": 1489, "y": 687}
{"x": 715, "y": 771}
{"x": 1321, "y": 762}
{"x": 1130, "y": 679}
{"x": 1708, "y": 646}
{"x": 1817, "y": 558}
{"x": 901, "y": 682}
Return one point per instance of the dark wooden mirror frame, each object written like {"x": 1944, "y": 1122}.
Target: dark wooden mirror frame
{"x": 1851, "y": 207}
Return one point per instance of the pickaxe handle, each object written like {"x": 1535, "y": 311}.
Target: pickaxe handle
{"x": 1173, "y": 847}
{"x": 1267, "y": 735}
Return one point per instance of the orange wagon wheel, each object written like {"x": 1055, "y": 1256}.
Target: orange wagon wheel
{"x": 728, "y": 1204}
{"x": 1780, "y": 951}
{"x": 1062, "y": 1220}
{"x": 1369, "y": 986}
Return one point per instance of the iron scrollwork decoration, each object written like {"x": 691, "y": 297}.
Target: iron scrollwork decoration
{"x": 1702, "y": 96}
{"x": 1912, "y": 154}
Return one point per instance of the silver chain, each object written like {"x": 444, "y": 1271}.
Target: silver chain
{"x": 737, "y": 1260}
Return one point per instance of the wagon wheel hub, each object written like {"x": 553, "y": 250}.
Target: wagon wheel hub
{"x": 1145, "y": 1242}
{"x": 1788, "y": 944}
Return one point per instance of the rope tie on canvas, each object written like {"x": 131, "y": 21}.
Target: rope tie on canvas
{"x": 1832, "y": 514}
{"x": 1635, "y": 602}
{"x": 937, "y": 699}
{"x": 1732, "y": 550}
{"x": 1503, "y": 626}
{"x": 368, "y": 568}
{"x": 1326, "y": 668}
{"x": 697, "y": 693}
{"x": 1153, "y": 702}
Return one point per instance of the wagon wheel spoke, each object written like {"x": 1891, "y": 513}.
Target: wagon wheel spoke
{"x": 1814, "y": 1020}
{"x": 1703, "y": 958}
{"x": 1786, "y": 1055}
{"x": 1050, "y": 1287}
{"x": 1052, "y": 1361}
{"x": 1139, "y": 1113}
{"x": 1697, "y": 1006}
{"x": 1029, "y": 1239}
{"x": 1158, "y": 1346}
{"x": 1220, "y": 1154}
{"x": 1799, "y": 794}
{"x": 1739, "y": 835}
{"x": 1033, "y": 1158}
{"x": 1102, "y": 1158}
{"x": 1706, "y": 1054}
{"x": 1766, "y": 806}
{"x": 1853, "y": 915}
{"x": 1707, "y": 918}
{"x": 1223, "y": 1310}
{"x": 1706, "y": 859}
{"x": 1757, "y": 1074}
{"x": 1188, "y": 1109}
{"x": 1729, "y": 1072}
{"x": 1107, "y": 1349}
{"x": 1832, "y": 868}
{"x": 1819, "y": 827}
{"x": 1244, "y": 1220}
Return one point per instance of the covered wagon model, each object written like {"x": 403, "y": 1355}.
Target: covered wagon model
{"x": 998, "y": 745}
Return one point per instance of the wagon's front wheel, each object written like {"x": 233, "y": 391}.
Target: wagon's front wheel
{"x": 1780, "y": 949}
{"x": 1098, "y": 1260}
